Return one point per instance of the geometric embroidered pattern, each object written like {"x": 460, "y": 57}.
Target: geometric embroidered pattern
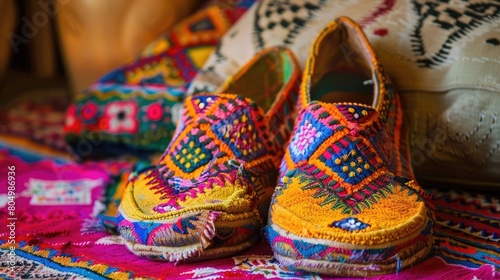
{"x": 151, "y": 87}
{"x": 350, "y": 224}
{"x": 310, "y": 134}
{"x": 350, "y": 159}
{"x": 237, "y": 130}
{"x": 191, "y": 154}
{"x": 209, "y": 193}
{"x": 340, "y": 198}
{"x": 355, "y": 113}
{"x": 340, "y": 208}
{"x": 283, "y": 17}
{"x": 202, "y": 103}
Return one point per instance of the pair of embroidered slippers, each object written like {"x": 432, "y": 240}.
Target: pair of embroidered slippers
{"x": 325, "y": 158}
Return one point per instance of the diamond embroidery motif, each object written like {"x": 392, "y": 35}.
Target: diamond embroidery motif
{"x": 202, "y": 103}
{"x": 307, "y": 139}
{"x": 191, "y": 154}
{"x": 355, "y": 113}
{"x": 350, "y": 224}
{"x": 338, "y": 197}
{"x": 346, "y": 159}
{"x": 238, "y": 131}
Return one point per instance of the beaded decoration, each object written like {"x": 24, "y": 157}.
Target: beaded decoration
{"x": 209, "y": 193}
{"x": 346, "y": 203}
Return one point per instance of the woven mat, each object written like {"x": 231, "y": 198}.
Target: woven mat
{"x": 57, "y": 233}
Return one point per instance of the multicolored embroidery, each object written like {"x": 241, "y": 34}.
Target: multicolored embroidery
{"x": 210, "y": 192}
{"x": 431, "y": 37}
{"x": 121, "y": 117}
{"x": 35, "y": 262}
{"x": 341, "y": 207}
{"x": 193, "y": 152}
{"x": 350, "y": 224}
{"x": 310, "y": 135}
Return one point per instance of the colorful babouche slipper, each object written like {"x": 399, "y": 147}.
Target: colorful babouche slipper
{"x": 209, "y": 194}
{"x": 347, "y": 203}
{"x": 133, "y": 108}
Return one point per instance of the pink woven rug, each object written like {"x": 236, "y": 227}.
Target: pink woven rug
{"x": 56, "y": 237}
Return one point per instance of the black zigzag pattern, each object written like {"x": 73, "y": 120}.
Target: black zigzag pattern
{"x": 289, "y": 15}
{"x": 456, "y": 21}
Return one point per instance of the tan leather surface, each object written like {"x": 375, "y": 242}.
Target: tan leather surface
{"x": 97, "y": 36}
{"x": 7, "y": 22}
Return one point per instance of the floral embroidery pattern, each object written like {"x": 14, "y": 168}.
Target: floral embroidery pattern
{"x": 122, "y": 117}
{"x": 89, "y": 110}
{"x": 154, "y": 112}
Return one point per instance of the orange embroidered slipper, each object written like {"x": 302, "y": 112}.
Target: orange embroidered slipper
{"x": 347, "y": 203}
{"x": 209, "y": 194}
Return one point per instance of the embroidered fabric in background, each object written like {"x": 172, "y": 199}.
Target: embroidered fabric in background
{"x": 134, "y": 108}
